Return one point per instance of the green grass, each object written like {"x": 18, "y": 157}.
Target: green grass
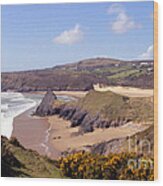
{"x": 123, "y": 74}
{"x": 139, "y": 73}
{"x": 113, "y": 69}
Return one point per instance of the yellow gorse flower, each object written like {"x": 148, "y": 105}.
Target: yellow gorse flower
{"x": 113, "y": 166}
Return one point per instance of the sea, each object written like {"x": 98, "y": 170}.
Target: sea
{"x": 15, "y": 103}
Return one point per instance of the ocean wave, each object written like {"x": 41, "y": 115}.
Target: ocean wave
{"x": 12, "y": 105}
{"x": 4, "y": 107}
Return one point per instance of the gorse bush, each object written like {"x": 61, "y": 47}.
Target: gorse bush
{"x": 84, "y": 165}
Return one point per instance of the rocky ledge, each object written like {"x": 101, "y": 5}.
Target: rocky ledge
{"x": 85, "y": 121}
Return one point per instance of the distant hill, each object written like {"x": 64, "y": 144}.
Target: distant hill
{"x": 96, "y": 63}
{"x": 90, "y": 64}
{"x": 16, "y": 161}
{"x": 81, "y": 76}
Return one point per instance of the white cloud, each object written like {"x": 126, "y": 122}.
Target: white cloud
{"x": 122, "y": 22}
{"x": 148, "y": 54}
{"x": 115, "y": 8}
{"x": 71, "y": 36}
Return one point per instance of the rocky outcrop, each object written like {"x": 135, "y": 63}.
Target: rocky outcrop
{"x": 103, "y": 148}
{"x": 112, "y": 146}
{"x": 46, "y": 106}
{"x": 86, "y": 121}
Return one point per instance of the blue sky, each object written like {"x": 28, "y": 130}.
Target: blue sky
{"x": 39, "y": 36}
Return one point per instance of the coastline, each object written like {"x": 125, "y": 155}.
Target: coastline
{"x": 33, "y": 133}
{"x": 51, "y": 135}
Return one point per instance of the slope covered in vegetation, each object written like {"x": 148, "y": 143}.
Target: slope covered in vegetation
{"x": 111, "y": 106}
{"x": 19, "y": 162}
{"x": 16, "y": 161}
{"x": 122, "y": 166}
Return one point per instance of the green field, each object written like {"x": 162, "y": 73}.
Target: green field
{"x": 123, "y": 74}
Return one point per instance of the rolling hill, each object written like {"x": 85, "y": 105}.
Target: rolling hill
{"x": 81, "y": 76}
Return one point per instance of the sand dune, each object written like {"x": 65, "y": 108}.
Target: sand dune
{"x": 126, "y": 91}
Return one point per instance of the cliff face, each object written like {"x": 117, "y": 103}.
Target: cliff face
{"x": 122, "y": 144}
{"x": 88, "y": 122}
{"x": 46, "y": 106}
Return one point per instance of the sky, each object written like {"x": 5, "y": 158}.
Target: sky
{"x": 40, "y": 36}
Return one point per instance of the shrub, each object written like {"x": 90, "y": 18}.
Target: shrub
{"x": 84, "y": 165}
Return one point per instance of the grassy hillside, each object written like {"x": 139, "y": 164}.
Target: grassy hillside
{"x": 20, "y": 162}
{"x": 113, "y": 106}
{"x": 105, "y": 110}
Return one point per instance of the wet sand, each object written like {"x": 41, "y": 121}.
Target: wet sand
{"x": 33, "y": 133}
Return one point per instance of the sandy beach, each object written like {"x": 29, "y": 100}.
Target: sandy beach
{"x": 126, "y": 91}
{"x": 53, "y": 135}
{"x": 32, "y": 132}
{"x": 62, "y": 135}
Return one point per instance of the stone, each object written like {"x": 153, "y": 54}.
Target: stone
{"x": 46, "y": 106}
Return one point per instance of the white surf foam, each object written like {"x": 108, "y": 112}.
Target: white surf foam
{"x": 12, "y": 104}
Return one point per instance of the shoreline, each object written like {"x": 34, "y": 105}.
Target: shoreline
{"x": 33, "y": 133}
{"x": 122, "y": 90}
